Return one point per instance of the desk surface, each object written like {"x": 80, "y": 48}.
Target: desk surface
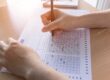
{"x": 100, "y": 44}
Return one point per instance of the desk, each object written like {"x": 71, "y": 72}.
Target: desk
{"x": 100, "y": 46}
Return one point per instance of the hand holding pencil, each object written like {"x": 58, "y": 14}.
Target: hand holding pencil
{"x": 56, "y": 21}
{"x": 61, "y": 22}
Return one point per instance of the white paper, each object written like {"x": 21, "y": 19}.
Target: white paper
{"x": 68, "y": 52}
{"x": 68, "y": 3}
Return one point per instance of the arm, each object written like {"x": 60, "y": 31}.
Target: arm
{"x": 99, "y": 19}
{"x": 47, "y": 73}
{"x": 25, "y": 62}
{"x": 66, "y": 22}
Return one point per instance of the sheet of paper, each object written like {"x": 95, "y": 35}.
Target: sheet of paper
{"x": 62, "y": 4}
{"x": 68, "y": 52}
{"x": 68, "y": 3}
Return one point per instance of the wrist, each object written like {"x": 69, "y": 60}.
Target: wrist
{"x": 52, "y": 74}
{"x": 79, "y": 22}
{"x": 44, "y": 73}
{"x": 76, "y": 22}
{"x": 36, "y": 72}
{"x": 87, "y": 21}
{"x": 82, "y": 21}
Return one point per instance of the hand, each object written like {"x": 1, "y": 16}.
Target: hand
{"x": 62, "y": 21}
{"x": 25, "y": 62}
{"x": 19, "y": 59}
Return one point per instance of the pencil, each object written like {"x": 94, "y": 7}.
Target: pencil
{"x": 52, "y": 11}
{"x": 52, "y": 14}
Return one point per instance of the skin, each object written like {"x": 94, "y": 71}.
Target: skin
{"x": 25, "y": 62}
{"x": 65, "y": 22}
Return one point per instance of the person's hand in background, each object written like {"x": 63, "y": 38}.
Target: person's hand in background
{"x": 25, "y": 62}
{"x": 19, "y": 59}
{"x": 62, "y": 21}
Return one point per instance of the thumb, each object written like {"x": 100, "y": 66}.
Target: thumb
{"x": 51, "y": 26}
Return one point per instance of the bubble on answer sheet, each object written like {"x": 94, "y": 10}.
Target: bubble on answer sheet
{"x": 67, "y": 53}
{"x": 22, "y": 40}
{"x": 60, "y": 59}
{"x": 63, "y": 62}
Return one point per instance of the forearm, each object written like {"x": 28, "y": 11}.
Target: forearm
{"x": 45, "y": 73}
{"x": 98, "y": 19}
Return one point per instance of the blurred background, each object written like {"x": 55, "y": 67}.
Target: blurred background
{"x": 99, "y": 4}
{"x": 15, "y": 14}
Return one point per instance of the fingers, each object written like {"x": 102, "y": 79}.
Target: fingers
{"x": 11, "y": 40}
{"x": 46, "y": 18}
{"x": 3, "y": 46}
{"x": 51, "y": 26}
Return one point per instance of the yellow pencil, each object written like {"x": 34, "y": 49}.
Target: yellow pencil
{"x": 52, "y": 14}
{"x": 52, "y": 11}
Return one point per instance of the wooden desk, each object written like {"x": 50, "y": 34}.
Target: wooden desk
{"x": 100, "y": 44}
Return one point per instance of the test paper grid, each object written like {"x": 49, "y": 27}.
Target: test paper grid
{"x": 68, "y": 53}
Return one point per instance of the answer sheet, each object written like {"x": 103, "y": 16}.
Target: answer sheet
{"x": 68, "y": 52}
